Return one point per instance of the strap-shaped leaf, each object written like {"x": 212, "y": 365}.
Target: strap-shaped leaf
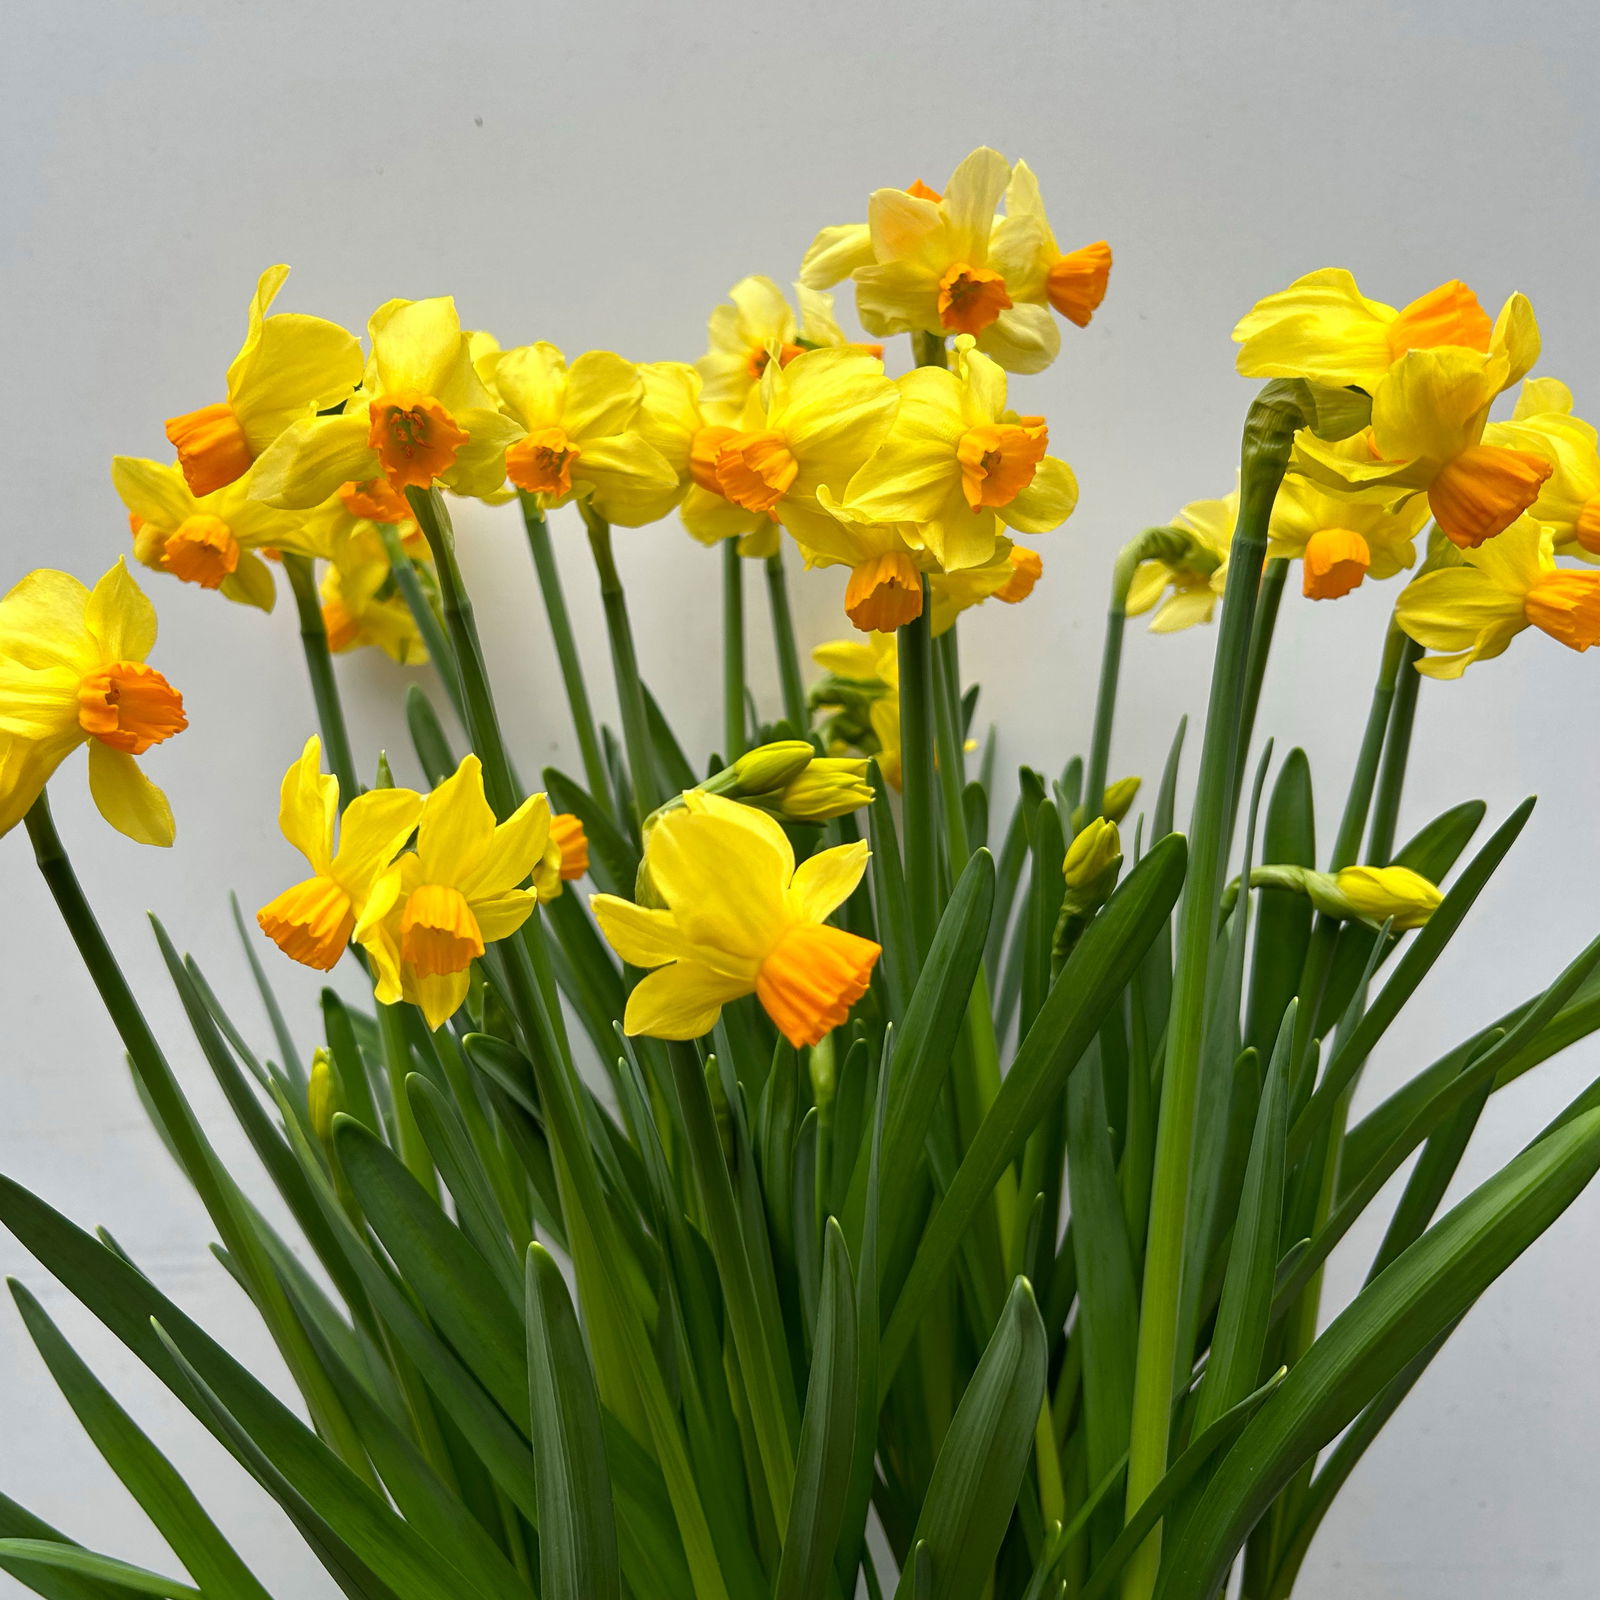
{"x": 70, "y": 1558}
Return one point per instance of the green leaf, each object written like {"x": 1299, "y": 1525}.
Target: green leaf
{"x": 823, "y": 1464}
{"x": 1092, "y": 982}
{"x": 16, "y": 1522}
{"x": 428, "y": 737}
{"x": 1283, "y": 918}
{"x": 46, "y": 1553}
{"x": 1386, "y": 1327}
{"x": 577, "y": 1525}
{"x": 985, "y": 1452}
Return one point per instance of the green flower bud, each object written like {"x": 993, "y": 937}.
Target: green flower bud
{"x": 768, "y": 767}
{"x": 1092, "y": 865}
{"x": 323, "y": 1096}
{"x": 1118, "y": 800}
{"x": 1373, "y": 895}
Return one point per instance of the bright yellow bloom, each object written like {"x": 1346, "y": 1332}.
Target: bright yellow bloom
{"x": 1569, "y": 501}
{"x": 959, "y": 466}
{"x": 1323, "y": 328}
{"x": 756, "y": 324}
{"x": 819, "y": 419}
{"x": 1474, "y": 610}
{"x": 1341, "y": 539}
{"x": 581, "y": 435}
{"x": 290, "y": 367}
{"x": 458, "y": 892}
{"x": 1429, "y": 412}
{"x": 863, "y": 691}
{"x": 360, "y": 603}
{"x": 354, "y": 878}
{"x": 422, "y": 416}
{"x": 1008, "y": 576}
{"x": 1196, "y": 573}
{"x": 688, "y": 432}
{"x": 214, "y": 540}
{"x": 1037, "y": 270}
{"x": 738, "y": 918}
{"x": 932, "y": 263}
{"x": 72, "y": 672}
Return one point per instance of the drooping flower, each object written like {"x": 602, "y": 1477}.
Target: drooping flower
{"x": 959, "y": 466}
{"x": 215, "y": 540}
{"x": 1071, "y": 282}
{"x": 931, "y": 263}
{"x": 581, "y": 439}
{"x": 1194, "y": 569}
{"x": 354, "y": 877}
{"x": 739, "y": 917}
{"x": 1341, "y": 539}
{"x": 422, "y": 416}
{"x": 1009, "y": 576}
{"x": 1472, "y": 611}
{"x": 459, "y": 891}
{"x": 73, "y": 671}
{"x": 1569, "y": 500}
{"x": 289, "y": 368}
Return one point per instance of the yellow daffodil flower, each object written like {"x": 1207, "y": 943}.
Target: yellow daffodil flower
{"x": 932, "y": 263}
{"x": 581, "y": 438}
{"x": 755, "y": 324}
{"x": 214, "y": 540}
{"x": 1196, "y": 573}
{"x": 1009, "y": 577}
{"x": 862, "y": 690}
{"x": 460, "y": 890}
{"x": 687, "y": 432}
{"x": 422, "y": 416}
{"x": 1374, "y": 895}
{"x": 1472, "y": 611}
{"x": 360, "y": 604}
{"x": 354, "y": 878}
{"x": 566, "y": 830}
{"x": 290, "y": 368}
{"x": 1569, "y": 501}
{"x": 738, "y": 917}
{"x": 886, "y": 562}
{"x": 1323, "y": 328}
{"x": 72, "y": 672}
{"x": 819, "y": 419}
{"x": 959, "y": 465}
{"x": 1341, "y": 539}
{"x": 1071, "y": 282}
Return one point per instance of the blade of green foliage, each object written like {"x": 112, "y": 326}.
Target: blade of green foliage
{"x": 136, "y": 1580}
{"x": 54, "y": 1583}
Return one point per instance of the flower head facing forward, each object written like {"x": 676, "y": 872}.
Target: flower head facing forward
{"x": 739, "y": 917}
{"x": 1471, "y": 609}
{"x": 459, "y": 891}
{"x": 73, "y": 671}
{"x": 422, "y": 416}
{"x": 290, "y": 367}
{"x": 353, "y": 879}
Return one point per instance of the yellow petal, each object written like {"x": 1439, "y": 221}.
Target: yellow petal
{"x": 120, "y": 617}
{"x": 42, "y": 622}
{"x": 971, "y": 199}
{"x": 723, "y": 880}
{"x": 682, "y": 1001}
{"x": 439, "y": 995}
{"x": 152, "y": 491}
{"x": 631, "y": 483}
{"x": 604, "y": 393}
{"x": 25, "y": 767}
{"x": 308, "y": 461}
{"x": 532, "y": 383}
{"x": 372, "y": 832}
{"x": 416, "y": 344}
{"x": 1320, "y": 327}
{"x": 126, "y": 798}
{"x": 1047, "y": 501}
{"x": 1431, "y": 403}
{"x": 308, "y": 806}
{"x": 300, "y": 364}
{"x": 251, "y": 583}
{"x": 1025, "y": 338}
{"x": 826, "y": 880}
{"x": 835, "y": 253}
{"x": 641, "y": 935}
{"x": 512, "y": 854}
{"x": 500, "y": 915}
{"x": 456, "y": 827}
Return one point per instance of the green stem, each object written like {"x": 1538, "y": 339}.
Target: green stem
{"x": 917, "y": 777}
{"x": 319, "y": 667}
{"x": 625, "y": 668}
{"x": 423, "y": 614}
{"x": 1105, "y": 701}
{"x": 483, "y": 724}
{"x": 555, "y": 607}
{"x": 1268, "y": 437}
{"x": 783, "y": 641}
{"x": 1396, "y": 753}
{"x": 397, "y": 1063}
{"x": 930, "y": 349}
{"x": 733, "y": 719}
{"x": 1266, "y": 620}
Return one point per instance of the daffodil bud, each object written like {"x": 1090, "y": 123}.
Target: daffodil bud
{"x": 323, "y": 1096}
{"x": 1093, "y": 861}
{"x": 767, "y": 767}
{"x": 1115, "y": 803}
{"x": 827, "y": 787}
{"x": 1373, "y": 895}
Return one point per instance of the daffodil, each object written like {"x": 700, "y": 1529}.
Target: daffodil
{"x": 422, "y": 416}
{"x": 862, "y": 693}
{"x": 1569, "y": 500}
{"x": 755, "y": 325}
{"x": 72, "y": 672}
{"x": 214, "y": 540}
{"x": 1323, "y": 328}
{"x": 581, "y": 439}
{"x": 1195, "y": 569}
{"x": 361, "y": 604}
{"x": 354, "y": 879}
{"x": 1375, "y": 895}
{"x": 1008, "y": 577}
{"x": 1341, "y": 539}
{"x": 566, "y": 830}
{"x": 1071, "y": 282}
{"x": 290, "y": 368}
{"x": 818, "y": 420}
{"x": 886, "y": 562}
{"x": 738, "y": 917}
{"x": 1429, "y": 412}
{"x": 1472, "y": 611}
{"x": 936, "y": 263}
{"x": 459, "y": 891}
{"x": 960, "y": 466}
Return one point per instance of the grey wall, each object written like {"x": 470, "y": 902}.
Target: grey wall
{"x": 599, "y": 175}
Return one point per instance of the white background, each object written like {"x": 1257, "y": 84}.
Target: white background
{"x": 599, "y": 175}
